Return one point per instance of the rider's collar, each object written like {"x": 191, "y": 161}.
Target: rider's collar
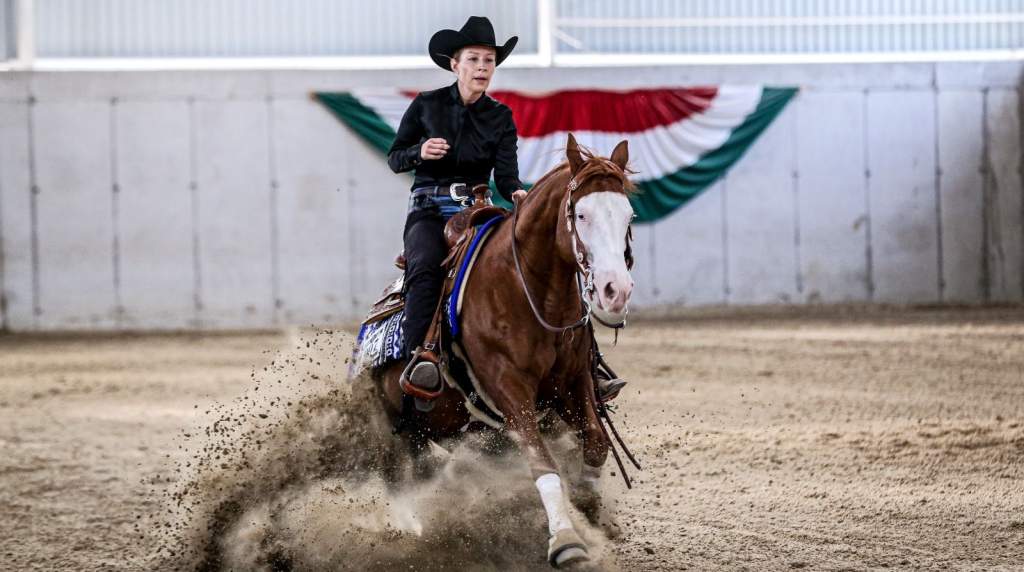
{"x": 453, "y": 90}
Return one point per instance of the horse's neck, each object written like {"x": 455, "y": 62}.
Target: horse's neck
{"x": 548, "y": 273}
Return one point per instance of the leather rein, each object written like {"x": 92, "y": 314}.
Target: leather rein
{"x": 585, "y": 282}
{"x": 584, "y": 276}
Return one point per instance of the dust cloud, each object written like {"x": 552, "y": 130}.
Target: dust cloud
{"x": 302, "y": 472}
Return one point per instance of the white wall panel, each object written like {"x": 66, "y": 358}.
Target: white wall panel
{"x": 901, "y": 159}
{"x": 157, "y": 273}
{"x": 312, "y": 204}
{"x": 760, "y": 219}
{"x": 646, "y": 284}
{"x": 377, "y": 202}
{"x": 208, "y": 85}
{"x": 234, "y": 213}
{"x": 75, "y": 229}
{"x": 15, "y": 217}
{"x": 831, "y": 201}
{"x": 334, "y": 249}
{"x": 689, "y": 258}
{"x": 1005, "y": 196}
{"x": 961, "y": 185}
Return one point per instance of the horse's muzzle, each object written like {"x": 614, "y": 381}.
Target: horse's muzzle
{"x": 612, "y": 291}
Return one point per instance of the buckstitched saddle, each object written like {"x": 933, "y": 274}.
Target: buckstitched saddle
{"x": 382, "y": 328}
{"x": 458, "y": 234}
{"x": 455, "y": 228}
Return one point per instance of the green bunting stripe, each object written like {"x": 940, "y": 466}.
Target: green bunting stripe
{"x": 656, "y": 198}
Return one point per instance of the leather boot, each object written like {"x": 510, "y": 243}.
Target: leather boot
{"x": 607, "y": 387}
{"x": 426, "y": 376}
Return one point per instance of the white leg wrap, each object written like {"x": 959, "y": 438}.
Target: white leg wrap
{"x": 550, "y": 487}
{"x": 591, "y": 475}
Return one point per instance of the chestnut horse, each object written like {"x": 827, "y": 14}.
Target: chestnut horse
{"x": 574, "y": 221}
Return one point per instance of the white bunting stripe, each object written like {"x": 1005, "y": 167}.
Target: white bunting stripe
{"x": 654, "y": 153}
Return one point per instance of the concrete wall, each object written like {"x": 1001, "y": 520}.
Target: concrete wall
{"x": 232, "y": 200}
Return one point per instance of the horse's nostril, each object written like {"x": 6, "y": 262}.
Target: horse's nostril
{"x": 609, "y": 291}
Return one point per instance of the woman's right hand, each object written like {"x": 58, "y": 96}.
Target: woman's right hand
{"x": 434, "y": 148}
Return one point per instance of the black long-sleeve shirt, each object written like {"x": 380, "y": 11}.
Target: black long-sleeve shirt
{"x": 481, "y": 137}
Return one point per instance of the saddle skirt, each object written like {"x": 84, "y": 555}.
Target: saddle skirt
{"x": 390, "y": 301}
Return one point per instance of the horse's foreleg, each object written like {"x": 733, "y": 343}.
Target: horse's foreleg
{"x": 586, "y": 496}
{"x": 565, "y": 546}
{"x": 587, "y": 423}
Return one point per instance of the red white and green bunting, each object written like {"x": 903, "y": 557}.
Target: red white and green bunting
{"x": 680, "y": 140}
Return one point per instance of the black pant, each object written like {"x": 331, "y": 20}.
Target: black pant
{"x": 425, "y": 249}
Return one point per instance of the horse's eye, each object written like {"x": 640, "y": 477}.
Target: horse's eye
{"x": 580, "y": 217}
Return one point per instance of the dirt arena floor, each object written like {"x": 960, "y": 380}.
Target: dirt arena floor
{"x": 850, "y": 439}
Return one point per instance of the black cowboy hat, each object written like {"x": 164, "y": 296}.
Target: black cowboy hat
{"x": 477, "y": 31}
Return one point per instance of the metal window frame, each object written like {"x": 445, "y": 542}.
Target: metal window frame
{"x": 550, "y": 28}
{"x": 669, "y": 59}
{"x": 25, "y": 40}
{"x": 790, "y": 21}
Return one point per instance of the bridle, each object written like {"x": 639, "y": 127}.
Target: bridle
{"x": 584, "y": 274}
{"x": 585, "y": 284}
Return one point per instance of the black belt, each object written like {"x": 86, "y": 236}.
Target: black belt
{"x": 457, "y": 191}
{"x": 437, "y": 191}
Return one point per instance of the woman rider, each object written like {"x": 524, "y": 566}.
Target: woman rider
{"x": 456, "y": 134}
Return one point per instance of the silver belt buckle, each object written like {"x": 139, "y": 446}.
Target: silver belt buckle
{"x": 453, "y": 192}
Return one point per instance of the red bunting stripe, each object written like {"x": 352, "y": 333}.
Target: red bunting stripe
{"x": 621, "y": 111}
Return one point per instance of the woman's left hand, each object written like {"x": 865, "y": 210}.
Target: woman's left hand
{"x": 518, "y": 196}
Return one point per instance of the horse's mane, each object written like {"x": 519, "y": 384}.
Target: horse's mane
{"x": 593, "y": 166}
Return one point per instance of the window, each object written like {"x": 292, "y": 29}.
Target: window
{"x": 72, "y": 34}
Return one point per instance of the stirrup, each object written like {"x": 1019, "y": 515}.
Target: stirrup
{"x": 608, "y": 389}
{"x": 421, "y": 379}
{"x": 606, "y": 384}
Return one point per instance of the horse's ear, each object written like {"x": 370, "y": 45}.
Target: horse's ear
{"x": 572, "y": 152}
{"x": 620, "y": 156}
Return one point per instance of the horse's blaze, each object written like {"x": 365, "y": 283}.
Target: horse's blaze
{"x": 602, "y": 221}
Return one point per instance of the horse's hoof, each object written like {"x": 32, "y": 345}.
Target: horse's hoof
{"x": 566, "y": 548}
{"x": 570, "y": 558}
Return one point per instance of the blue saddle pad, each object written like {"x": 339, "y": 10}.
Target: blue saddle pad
{"x": 467, "y": 261}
